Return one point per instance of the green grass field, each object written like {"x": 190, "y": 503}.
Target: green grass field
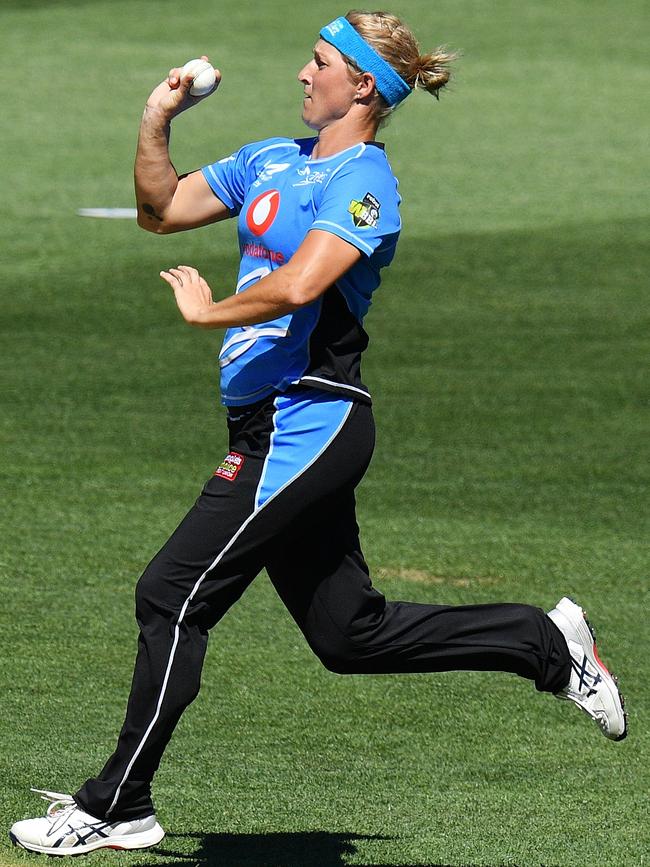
{"x": 509, "y": 362}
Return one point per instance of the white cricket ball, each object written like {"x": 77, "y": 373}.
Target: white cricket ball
{"x": 204, "y": 76}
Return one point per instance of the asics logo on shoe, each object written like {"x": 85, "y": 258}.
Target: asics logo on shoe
{"x": 586, "y": 679}
{"x": 92, "y": 831}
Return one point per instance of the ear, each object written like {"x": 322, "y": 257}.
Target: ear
{"x": 365, "y": 86}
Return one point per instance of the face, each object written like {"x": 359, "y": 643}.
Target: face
{"x": 328, "y": 88}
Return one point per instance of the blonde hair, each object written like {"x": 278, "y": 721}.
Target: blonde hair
{"x": 395, "y": 42}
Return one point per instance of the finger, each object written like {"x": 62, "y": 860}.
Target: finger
{"x": 186, "y": 81}
{"x": 168, "y": 278}
{"x": 191, "y": 272}
{"x": 173, "y": 79}
{"x": 178, "y": 275}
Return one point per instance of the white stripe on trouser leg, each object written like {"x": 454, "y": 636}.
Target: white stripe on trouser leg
{"x": 215, "y": 563}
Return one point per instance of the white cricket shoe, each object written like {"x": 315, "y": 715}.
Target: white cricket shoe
{"x": 67, "y": 830}
{"x": 591, "y": 686}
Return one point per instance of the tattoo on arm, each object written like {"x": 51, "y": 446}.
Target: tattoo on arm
{"x": 150, "y": 211}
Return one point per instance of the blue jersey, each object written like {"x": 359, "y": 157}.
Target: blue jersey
{"x": 279, "y": 193}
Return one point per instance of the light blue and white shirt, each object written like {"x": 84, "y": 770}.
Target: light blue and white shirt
{"x": 279, "y": 194}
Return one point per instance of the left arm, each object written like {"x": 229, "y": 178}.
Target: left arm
{"x": 315, "y": 266}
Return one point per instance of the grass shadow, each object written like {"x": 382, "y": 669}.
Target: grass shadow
{"x": 302, "y": 849}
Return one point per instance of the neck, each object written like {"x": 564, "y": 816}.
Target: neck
{"x": 336, "y": 137}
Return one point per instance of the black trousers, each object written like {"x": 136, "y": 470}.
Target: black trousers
{"x": 284, "y": 500}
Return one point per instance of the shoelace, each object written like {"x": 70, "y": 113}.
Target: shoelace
{"x": 60, "y": 807}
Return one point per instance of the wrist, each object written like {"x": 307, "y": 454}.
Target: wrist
{"x": 156, "y": 114}
{"x": 205, "y": 318}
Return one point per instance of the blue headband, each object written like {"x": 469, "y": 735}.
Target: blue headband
{"x": 342, "y": 35}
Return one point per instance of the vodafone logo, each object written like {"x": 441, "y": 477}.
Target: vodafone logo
{"x": 262, "y": 211}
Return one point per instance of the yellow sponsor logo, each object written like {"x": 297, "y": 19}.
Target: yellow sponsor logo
{"x": 365, "y": 213}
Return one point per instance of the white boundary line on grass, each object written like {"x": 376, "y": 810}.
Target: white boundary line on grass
{"x": 109, "y": 213}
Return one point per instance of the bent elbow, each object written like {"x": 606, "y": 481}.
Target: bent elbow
{"x": 299, "y": 295}
{"x": 294, "y": 298}
{"x": 146, "y": 224}
{"x": 150, "y": 221}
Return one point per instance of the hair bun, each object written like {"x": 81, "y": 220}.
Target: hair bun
{"x": 432, "y": 71}
{"x": 396, "y": 43}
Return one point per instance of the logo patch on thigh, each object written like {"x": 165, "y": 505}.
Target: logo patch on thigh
{"x": 230, "y": 466}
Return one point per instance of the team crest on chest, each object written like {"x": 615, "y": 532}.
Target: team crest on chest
{"x": 262, "y": 211}
{"x": 311, "y": 177}
{"x": 268, "y": 170}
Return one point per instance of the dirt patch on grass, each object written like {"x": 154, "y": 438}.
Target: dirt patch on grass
{"x": 421, "y": 576}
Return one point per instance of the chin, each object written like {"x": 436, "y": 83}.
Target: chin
{"x": 308, "y": 122}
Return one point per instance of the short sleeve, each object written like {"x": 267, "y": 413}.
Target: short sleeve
{"x": 360, "y": 204}
{"x": 227, "y": 178}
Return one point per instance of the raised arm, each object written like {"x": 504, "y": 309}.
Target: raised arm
{"x": 165, "y": 202}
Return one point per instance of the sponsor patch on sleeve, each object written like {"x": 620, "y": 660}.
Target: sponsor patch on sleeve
{"x": 365, "y": 214}
{"x": 230, "y": 466}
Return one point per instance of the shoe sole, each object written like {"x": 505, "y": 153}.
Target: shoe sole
{"x": 143, "y": 840}
{"x": 579, "y": 621}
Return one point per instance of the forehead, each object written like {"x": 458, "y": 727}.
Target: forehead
{"x": 327, "y": 51}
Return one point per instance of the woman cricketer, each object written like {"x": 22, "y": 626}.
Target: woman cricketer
{"x": 318, "y": 218}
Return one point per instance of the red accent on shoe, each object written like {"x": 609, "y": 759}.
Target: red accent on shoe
{"x": 599, "y": 660}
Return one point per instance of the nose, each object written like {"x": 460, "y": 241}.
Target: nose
{"x": 304, "y": 76}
